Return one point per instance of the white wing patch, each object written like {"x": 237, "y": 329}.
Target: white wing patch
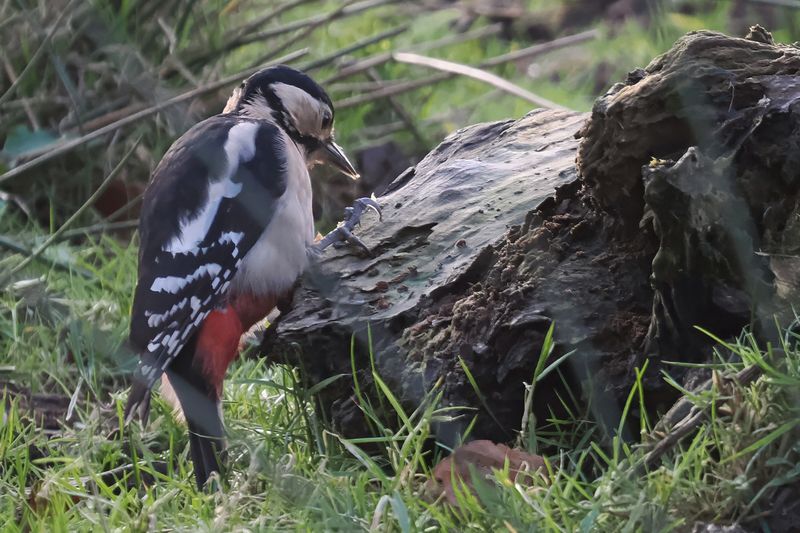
{"x": 172, "y": 338}
{"x": 173, "y": 284}
{"x": 230, "y": 236}
{"x": 233, "y": 237}
{"x": 185, "y": 300}
{"x": 240, "y": 147}
{"x": 156, "y": 319}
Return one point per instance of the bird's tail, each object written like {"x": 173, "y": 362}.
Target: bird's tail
{"x": 138, "y": 401}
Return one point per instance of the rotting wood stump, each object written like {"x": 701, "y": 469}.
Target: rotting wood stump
{"x": 682, "y": 210}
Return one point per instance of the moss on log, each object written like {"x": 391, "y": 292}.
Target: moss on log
{"x": 682, "y": 209}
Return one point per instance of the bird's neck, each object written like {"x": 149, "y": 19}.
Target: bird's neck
{"x": 258, "y": 108}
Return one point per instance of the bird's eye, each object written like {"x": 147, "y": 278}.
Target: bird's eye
{"x": 326, "y": 120}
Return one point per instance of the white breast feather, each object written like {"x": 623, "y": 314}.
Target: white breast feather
{"x": 281, "y": 254}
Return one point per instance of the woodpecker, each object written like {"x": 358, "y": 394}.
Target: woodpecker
{"x": 226, "y": 228}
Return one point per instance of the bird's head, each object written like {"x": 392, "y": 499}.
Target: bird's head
{"x": 299, "y": 106}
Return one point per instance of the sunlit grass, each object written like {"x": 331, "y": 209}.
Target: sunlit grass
{"x": 64, "y": 334}
{"x": 289, "y": 472}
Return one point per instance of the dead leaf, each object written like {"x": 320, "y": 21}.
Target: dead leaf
{"x": 484, "y": 457}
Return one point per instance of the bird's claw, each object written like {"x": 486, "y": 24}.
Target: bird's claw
{"x": 347, "y": 236}
{"x": 362, "y": 204}
{"x": 352, "y": 218}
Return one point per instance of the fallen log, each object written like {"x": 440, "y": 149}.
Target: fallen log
{"x": 683, "y": 209}
{"x": 445, "y": 224}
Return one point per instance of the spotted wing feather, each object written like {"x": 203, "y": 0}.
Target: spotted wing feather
{"x": 210, "y": 198}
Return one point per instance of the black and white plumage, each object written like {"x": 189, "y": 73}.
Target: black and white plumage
{"x": 195, "y": 236}
{"x": 225, "y": 229}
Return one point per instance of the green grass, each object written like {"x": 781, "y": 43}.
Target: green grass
{"x": 63, "y": 334}
{"x": 290, "y": 473}
{"x": 572, "y": 77}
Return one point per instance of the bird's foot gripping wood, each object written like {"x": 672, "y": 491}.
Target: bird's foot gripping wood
{"x": 352, "y": 218}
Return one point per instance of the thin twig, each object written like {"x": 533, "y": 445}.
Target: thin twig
{"x": 296, "y": 25}
{"x": 82, "y": 209}
{"x": 202, "y": 55}
{"x": 436, "y": 78}
{"x": 51, "y": 100}
{"x": 125, "y": 208}
{"x": 184, "y": 18}
{"x": 18, "y": 201}
{"x": 358, "y": 45}
{"x": 54, "y": 262}
{"x": 779, "y": 3}
{"x": 539, "y": 49}
{"x": 70, "y": 145}
{"x": 361, "y": 86}
{"x": 99, "y": 228}
{"x": 372, "y": 132}
{"x": 39, "y": 51}
{"x": 10, "y": 20}
{"x": 26, "y": 106}
{"x": 308, "y": 30}
{"x": 390, "y": 90}
{"x": 407, "y": 119}
{"x": 289, "y": 27}
{"x": 182, "y": 69}
{"x": 477, "y": 74}
{"x": 684, "y": 417}
{"x": 376, "y": 135}
{"x": 379, "y": 59}
{"x": 263, "y": 19}
{"x": 97, "y": 111}
{"x": 681, "y": 430}
{"x": 113, "y": 116}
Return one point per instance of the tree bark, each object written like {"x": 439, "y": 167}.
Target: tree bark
{"x": 682, "y": 210}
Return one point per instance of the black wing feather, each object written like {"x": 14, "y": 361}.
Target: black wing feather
{"x": 163, "y": 321}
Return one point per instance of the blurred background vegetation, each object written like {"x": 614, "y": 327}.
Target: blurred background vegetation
{"x": 100, "y": 74}
{"x": 86, "y": 84}
{"x": 83, "y": 83}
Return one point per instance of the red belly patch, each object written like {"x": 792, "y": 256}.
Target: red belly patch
{"x": 218, "y": 340}
{"x": 218, "y": 345}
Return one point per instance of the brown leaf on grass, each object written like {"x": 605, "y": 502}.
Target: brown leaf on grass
{"x": 482, "y": 457}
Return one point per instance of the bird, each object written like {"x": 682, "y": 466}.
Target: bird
{"x": 226, "y": 228}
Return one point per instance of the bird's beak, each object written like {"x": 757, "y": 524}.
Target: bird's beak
{"x": 333, "y": 155}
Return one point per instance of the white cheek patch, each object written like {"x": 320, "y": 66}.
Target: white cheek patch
{"x": 306, "y": 111}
